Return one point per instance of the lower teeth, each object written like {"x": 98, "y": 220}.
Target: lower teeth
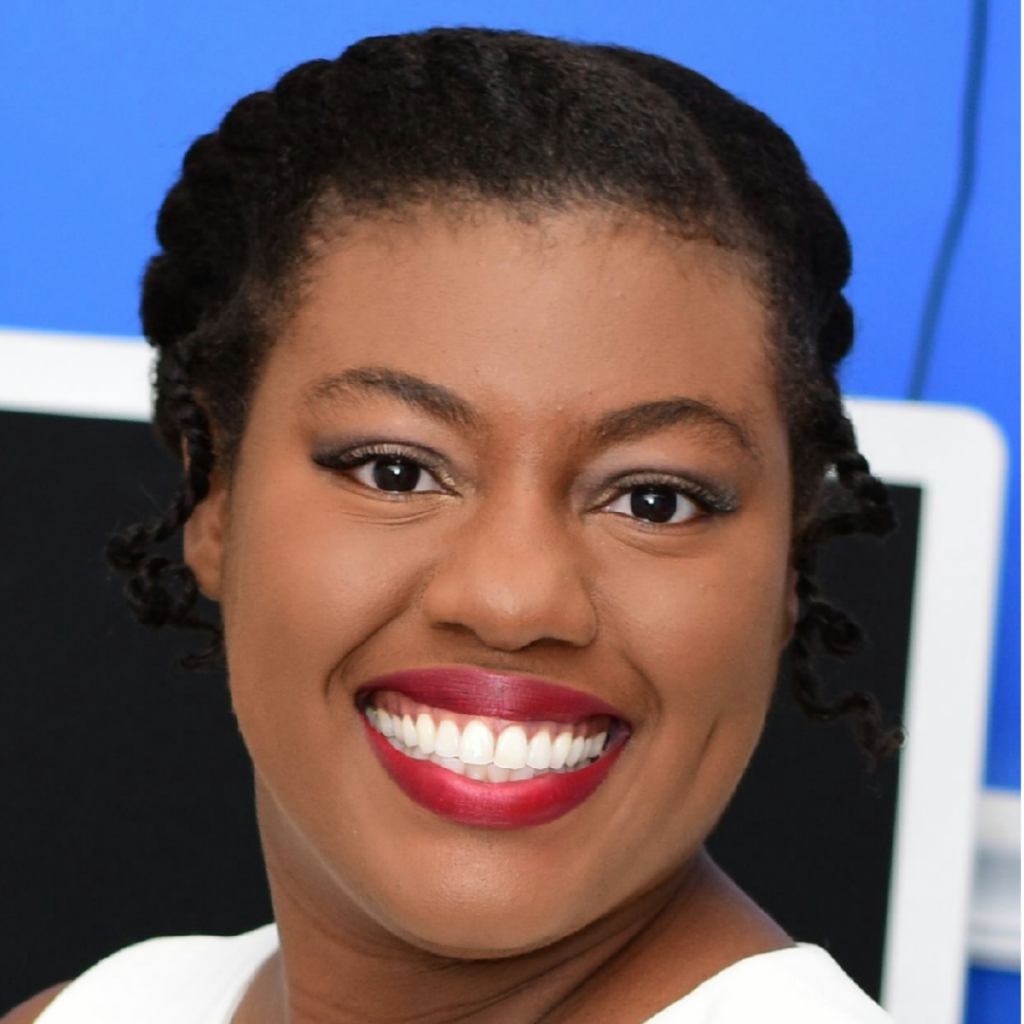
{"x": 479, "y": 772}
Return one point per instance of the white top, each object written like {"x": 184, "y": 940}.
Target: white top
{"x": 798, "y": 985}
{"x": 200, "y": 979}
{"x": 182, "y": 979}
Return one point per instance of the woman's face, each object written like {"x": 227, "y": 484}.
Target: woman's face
{"x": 528, "y": 476}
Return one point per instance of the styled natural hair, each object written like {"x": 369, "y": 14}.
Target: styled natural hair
{"x": 534, "y": 125}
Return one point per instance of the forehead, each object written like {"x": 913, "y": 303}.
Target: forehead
{"x": 560, "y": 316}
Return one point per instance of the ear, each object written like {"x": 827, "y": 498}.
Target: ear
{"x": 205, "y": 533}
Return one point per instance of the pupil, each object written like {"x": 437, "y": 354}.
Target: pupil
{"x": 655, "y": 504}
{"x": 396, "y": 474}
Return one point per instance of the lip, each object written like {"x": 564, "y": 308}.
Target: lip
{"x": 507, "y": 805}
{"x": 473, "y": 691}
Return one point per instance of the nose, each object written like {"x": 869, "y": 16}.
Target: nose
{"x": 514, "y": 577}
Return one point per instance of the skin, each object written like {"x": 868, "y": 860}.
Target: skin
{"x": 525, "y": 560}
{"x": 28, "y": 1011}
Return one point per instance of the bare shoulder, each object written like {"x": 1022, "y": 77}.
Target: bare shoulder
{"x": 28, "y": 1011}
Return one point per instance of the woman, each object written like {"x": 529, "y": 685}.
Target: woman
{"x": 503, "y": 373}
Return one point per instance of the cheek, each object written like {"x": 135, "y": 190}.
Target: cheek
{"x": 304, "y": 588}
{"x": 705, "y": 632}
{"x": 705, "y": 636}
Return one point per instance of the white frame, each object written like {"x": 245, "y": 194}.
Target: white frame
{"x": 957, "y": 457}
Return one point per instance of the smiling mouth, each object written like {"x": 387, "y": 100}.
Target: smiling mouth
{"x": 490, "y": 749}
{"x": 484, "y": 748}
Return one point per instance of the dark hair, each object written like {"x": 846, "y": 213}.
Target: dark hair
{"x": 532, "y": 124}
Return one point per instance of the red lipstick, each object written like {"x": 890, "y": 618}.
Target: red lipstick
{"x": 473, "y": 691}
{"x": 494, "y": 695}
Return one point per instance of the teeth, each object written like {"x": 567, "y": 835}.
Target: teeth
{"x": 579, "y": 745}
{"x": 453, "y": 764}
{"x": 408, "y": 732}
{"x": 477, "y": 746}
{"x": 560, "y": 750}
{"x": 539, "y": 754}
{"x": 511, "y": 749}
{"x": 447, "y": 742}
{"x": 426, "y": 733}
{"x": 474, "y": 752}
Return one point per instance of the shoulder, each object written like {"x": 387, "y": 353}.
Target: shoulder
{"x": 28, "y": 1011}
{"x": 797, "y": 985}
{"x": 177, "y": 978}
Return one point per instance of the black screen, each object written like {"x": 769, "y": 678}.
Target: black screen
{"x": 126, "y": 793}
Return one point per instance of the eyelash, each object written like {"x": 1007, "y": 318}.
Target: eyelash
{"x": 362, "y": 455}
{"x": 708, "y": 499}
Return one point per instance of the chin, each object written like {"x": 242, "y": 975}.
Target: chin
{"x": 479, "y": 934}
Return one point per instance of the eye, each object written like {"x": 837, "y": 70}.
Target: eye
{"x": 388, "y": 468}
{"x": 395, "y": 474}
{"x": 655, "y": 503}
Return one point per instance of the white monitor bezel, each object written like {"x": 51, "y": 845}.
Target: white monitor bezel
{"x": 958, "y": 458}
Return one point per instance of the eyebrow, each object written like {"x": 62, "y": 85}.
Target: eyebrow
{"x": 629, "y": 424}
{"x": 638, "y": 421}
{"x": 433, "y": 399}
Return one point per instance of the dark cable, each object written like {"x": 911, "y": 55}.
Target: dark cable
{"x": 953, "y": 231}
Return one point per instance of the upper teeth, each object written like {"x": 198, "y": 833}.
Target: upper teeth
{"x": 517, "y": 752}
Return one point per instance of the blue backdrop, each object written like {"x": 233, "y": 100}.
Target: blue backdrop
{"x": 99, "y": 101}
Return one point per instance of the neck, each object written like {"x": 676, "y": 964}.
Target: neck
{"x": 637, "y": 959}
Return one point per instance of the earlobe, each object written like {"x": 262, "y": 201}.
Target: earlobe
{"x": 204, "y": 538}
